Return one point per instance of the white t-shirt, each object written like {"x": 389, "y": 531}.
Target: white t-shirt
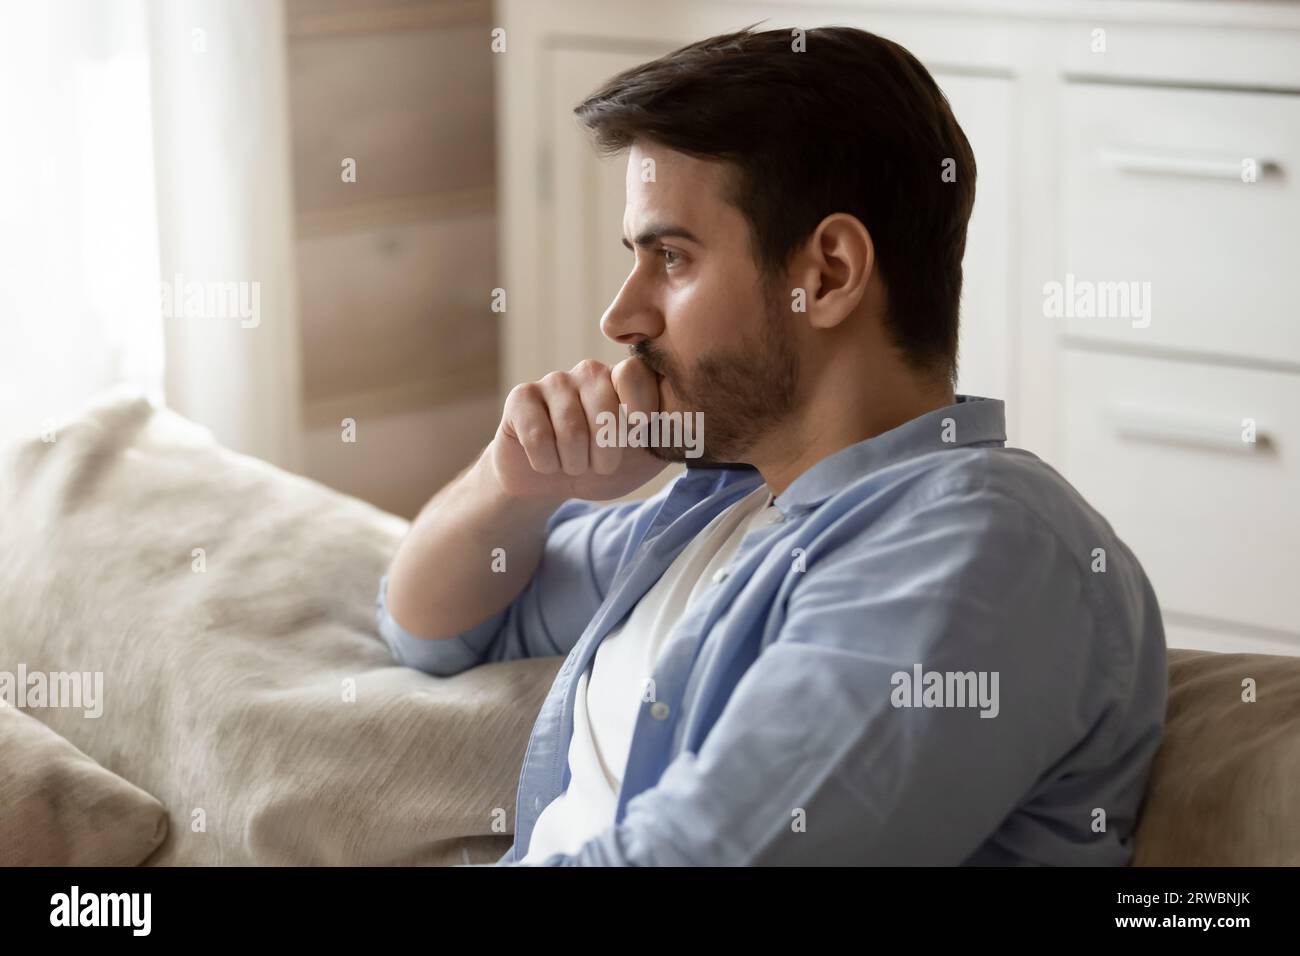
{"x": 611, "y": 691}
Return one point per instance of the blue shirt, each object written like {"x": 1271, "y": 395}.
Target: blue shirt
{"x": 822, "y": 705}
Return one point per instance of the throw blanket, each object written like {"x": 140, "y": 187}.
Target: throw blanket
{"x": 229, "y": 607}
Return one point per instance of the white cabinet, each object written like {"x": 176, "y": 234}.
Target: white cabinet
{"x": 1189, "y": 197}
{"x": 1196, "y": 467}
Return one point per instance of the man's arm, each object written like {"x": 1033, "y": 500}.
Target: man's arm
{"x": 441, "y": 581}
{"x": 477, "y": 544}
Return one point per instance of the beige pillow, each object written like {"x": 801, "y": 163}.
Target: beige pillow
{"x": 60, "y": 808}
{"x": 1225, "y": 785}
{"x": 230, "y": 608}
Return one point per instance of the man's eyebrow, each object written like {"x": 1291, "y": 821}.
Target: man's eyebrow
{"x": 663, "y": 231}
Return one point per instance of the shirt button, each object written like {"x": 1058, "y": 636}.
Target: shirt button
{"x": 659, "y": 710}
{"x": 720, "y": 575}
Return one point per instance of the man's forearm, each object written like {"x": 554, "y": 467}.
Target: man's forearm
{"x": 441, "y": 581}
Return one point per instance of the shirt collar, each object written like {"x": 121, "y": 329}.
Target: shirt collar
{"x": 975, "y": 421}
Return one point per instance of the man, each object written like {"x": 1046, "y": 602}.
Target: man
{"x": 858, "y": 629}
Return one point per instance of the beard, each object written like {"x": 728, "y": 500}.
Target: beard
{"x": 742, "y": 392}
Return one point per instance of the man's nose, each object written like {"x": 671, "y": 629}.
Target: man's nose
{"x": 632, "y": 316}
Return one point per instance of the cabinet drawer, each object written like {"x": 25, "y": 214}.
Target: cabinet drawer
{"x": 1157, "y": 447}
{"x": 1154, "y": 193}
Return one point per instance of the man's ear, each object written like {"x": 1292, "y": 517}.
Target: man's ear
{"x": 836, "y": 264}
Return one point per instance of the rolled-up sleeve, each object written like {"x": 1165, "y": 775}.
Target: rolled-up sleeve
{"x": 586, "y": 543}
{"x": 440, "y": 657}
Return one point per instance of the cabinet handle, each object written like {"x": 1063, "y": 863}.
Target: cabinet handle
{"x": 1167, "y": 164}
{"x": 1161, "y": 426}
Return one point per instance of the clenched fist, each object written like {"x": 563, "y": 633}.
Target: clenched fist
{"x": 546, "y": 444}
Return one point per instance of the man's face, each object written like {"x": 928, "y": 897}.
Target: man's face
{"x": 694, "y": 307}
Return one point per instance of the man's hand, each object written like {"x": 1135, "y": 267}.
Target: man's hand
{"x": 546, "y": 444}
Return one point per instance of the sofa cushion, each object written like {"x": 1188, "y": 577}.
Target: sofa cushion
{"x": 60, "y": 808}
{"x": 1225, "y": 785}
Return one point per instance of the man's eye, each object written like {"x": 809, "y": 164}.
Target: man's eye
{"x": 671, "y": 257}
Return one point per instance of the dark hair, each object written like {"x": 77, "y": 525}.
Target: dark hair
{"x": 855, "y": 124}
